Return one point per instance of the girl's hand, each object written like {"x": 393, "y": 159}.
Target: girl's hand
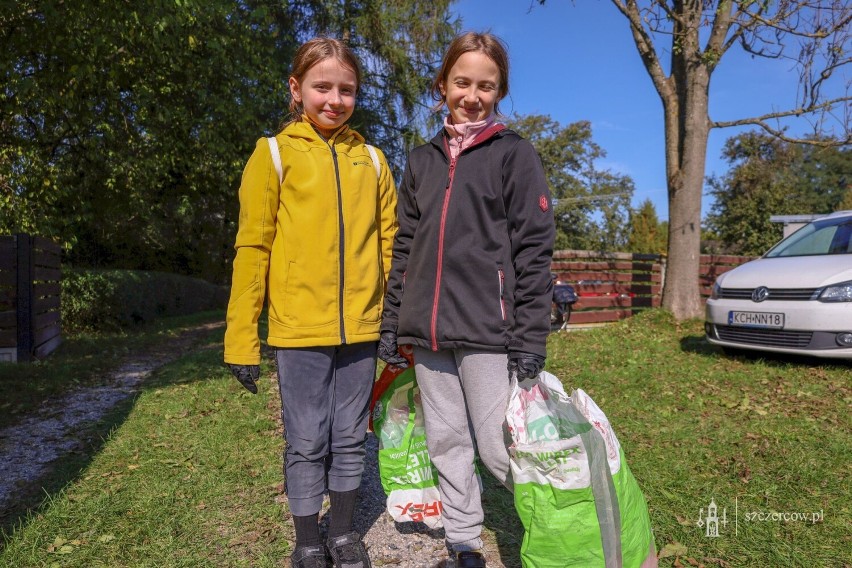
{"x": 526, "y": 365}
{"x": 389, "y": 352}
{"x": 247, "y": 375}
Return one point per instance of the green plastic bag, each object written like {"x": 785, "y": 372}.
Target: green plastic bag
{"x": 577, "y": 499}
{"x": 407, "y": 474}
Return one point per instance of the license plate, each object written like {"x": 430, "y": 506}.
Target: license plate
{"x": 756, "y": 319}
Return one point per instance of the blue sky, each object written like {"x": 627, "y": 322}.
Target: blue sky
{"x": 577, "y": 61}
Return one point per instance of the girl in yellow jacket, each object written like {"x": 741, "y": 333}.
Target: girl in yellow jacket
{"x": 315, "y": 240}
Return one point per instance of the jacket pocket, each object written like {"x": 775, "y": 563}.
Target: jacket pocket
{"x": 501, "y": 279}
{"x": 302, "y": 299}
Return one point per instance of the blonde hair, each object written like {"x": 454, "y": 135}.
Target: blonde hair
{"x": 485, "y": 42}
{"x": 316, "y": 51}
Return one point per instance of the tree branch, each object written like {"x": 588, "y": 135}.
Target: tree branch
{"x": 669, "y": 12}
{"x": 762, "y": 122}
{"x": 645, "y": 46}
{"x": 721, "y": 25}
{"x": 778, "y": 22}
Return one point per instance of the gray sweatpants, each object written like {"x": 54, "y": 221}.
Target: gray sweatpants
{"x": 325, "y": 399}
{"x": 465, "y": 394}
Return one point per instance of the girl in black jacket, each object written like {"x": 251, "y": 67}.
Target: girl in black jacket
{"x": 470, "y": 283}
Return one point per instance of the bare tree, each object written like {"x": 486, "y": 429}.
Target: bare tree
{"x": 814, "y": 34}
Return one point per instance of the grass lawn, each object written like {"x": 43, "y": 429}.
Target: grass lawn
{"x": 190, "y": 475}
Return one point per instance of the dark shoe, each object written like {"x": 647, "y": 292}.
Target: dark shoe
{"x": 310, "y": 557}
{"x": 466, "y": 559}
{"x": 347, "y": 551}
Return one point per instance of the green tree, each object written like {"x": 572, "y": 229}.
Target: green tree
{"x": 647, "y": 233}
{"x": 828, "y": 171}
{"x": 592, "y": 207}
{"x": 769, "y": 176}
{"x": 696, "y": 36}
{"x": 124, "y": 127}
{"x": 400, "y": 43}
{"x": 124, "y": 124}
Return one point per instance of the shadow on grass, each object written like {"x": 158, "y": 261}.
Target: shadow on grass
{"x": 77, "y": 444}
{"x": 699, "y": 345}
{"x": 34, "y": 495}
{"x": 501, "y": 518}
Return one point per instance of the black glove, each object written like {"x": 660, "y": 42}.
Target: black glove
{"x": 388, "y": 351}
{"x": 247, "y": 375}
{"x": 527, "y": 365}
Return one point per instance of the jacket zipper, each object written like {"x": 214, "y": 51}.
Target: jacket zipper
{"x": 341, "y": 242}
{"x": 501, "y": 278}
{"x": 447, "y": 193}
{"x": 449, "y": 189}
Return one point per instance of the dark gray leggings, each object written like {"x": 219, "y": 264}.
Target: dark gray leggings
{"x": 325, "y": 399}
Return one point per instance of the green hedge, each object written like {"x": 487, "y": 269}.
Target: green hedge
{"x": 115, "y": 299}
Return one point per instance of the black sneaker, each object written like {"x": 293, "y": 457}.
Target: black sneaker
{"x": 466, "y": 559}
{"x": 347, "y": 551}
{"x": 310, "y": 557}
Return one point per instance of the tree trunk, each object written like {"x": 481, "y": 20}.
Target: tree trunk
{"x": 681, "y": 293}
{"x": 687, "y": 128}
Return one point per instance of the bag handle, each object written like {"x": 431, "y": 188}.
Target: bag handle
{"x": 276, "y": 158}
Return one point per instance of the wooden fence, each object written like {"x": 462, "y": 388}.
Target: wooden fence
{"x": 30, "y": 276}
{"x": 614, "y": 286}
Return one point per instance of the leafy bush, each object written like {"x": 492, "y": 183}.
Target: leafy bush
{"x": 116, "y": 299}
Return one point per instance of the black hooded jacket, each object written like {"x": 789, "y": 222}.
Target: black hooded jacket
{"x": 471, "y": 258}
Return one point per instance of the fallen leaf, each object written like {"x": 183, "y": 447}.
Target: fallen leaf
{"x": 672, "y": 549}
{"x": 106, "y": 538}
{"x": 57, "y": 543}
{"x": 248, "y": 538}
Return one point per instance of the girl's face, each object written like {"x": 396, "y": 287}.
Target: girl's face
{"x": 471, "y": 87}
{"x": 327, "y": 94}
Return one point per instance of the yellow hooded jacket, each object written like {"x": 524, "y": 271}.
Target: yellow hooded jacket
{"x": 319, "y": 244}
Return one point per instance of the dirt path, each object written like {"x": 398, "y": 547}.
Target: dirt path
{"x": 29, "y": 447}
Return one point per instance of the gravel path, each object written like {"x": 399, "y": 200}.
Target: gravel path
{"x": 404, "y": 545}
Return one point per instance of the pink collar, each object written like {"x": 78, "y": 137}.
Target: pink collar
{"x": 463, "y": 135}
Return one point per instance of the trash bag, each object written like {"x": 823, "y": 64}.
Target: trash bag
{"x": 408, "y": 477}
{"x": 577, "y": 500}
